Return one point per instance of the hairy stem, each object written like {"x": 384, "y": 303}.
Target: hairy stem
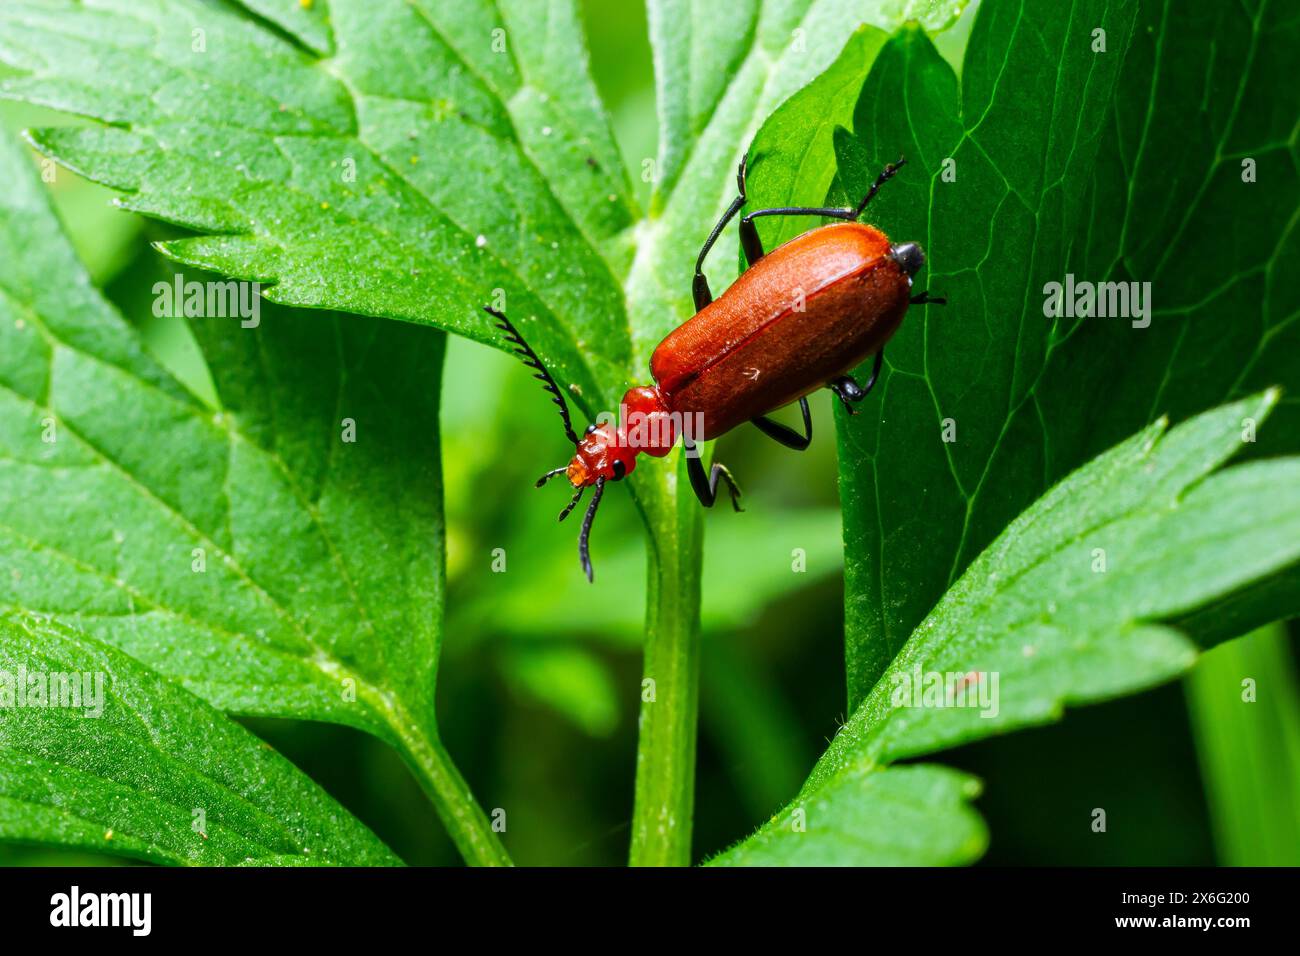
{"x": 466, "y": 823}
{"x": 665, "y": 764}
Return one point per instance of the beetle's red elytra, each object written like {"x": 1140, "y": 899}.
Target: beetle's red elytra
{"x": 798, "y": 319}
{"x": 802, "y": 316}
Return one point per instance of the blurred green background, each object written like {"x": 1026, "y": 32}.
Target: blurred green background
{"x": 539, "y": 707}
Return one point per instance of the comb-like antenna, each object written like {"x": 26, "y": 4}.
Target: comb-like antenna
{"x": 530, "y": 358}
{"x": 551, "y": 474}
{"x": 584, "y": 549}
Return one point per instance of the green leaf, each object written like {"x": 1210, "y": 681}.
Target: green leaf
{"x": 245, "y": 534}
{"x": 441, "y": 152}
{"x": 1064, "y": 164}
{"x": 705, "y": 60}
{"x": 143, "y": 769}
{"x": 1036, "y": 607}
{"x": 1206, "y": 90}
{"x": 110, "y": 238}
{"x": 304, "y": 20}
{"x": 249, "y": 551}
{"x": 792, "y": 159}
{"x": 902, "y": 816}
{"x": 1068, "y": 604}
{"x": 992, "y": 238}
{"x": 1244, "y": 702}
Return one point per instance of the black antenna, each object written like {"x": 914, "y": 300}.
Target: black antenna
{"x": 584, "y": 549}
{"x": 530, "y": 358}
{"x": 551, "y": 474}
{"x": 577, "y": 496}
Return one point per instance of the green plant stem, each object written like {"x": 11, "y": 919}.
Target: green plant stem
{"x": 1249, "y": 749}
{"x": 664, "y": 805}
{"x": 466, "y": 823}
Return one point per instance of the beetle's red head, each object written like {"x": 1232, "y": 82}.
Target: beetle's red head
{"x": 601, "y": 454}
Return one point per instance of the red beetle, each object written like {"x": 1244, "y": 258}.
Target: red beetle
{"x": 798, "y": 319}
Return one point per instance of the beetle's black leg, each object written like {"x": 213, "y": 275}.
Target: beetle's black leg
{"x": 885, "y": 176}
{"x": 924, "y": 298}
{"x": 786, "y": 435}
{"x": 849, "y": 391}
{"x": 749, "y": 240}
{"x": 875, "y": 376}
{"x": 706, "y": 487}
{"x": 700, "y": 284}
{"x": 847, "y": 213}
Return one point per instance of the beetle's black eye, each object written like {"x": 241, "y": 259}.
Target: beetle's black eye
{"x": 620, "y": 469}
{"x": 590, "y": 429}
